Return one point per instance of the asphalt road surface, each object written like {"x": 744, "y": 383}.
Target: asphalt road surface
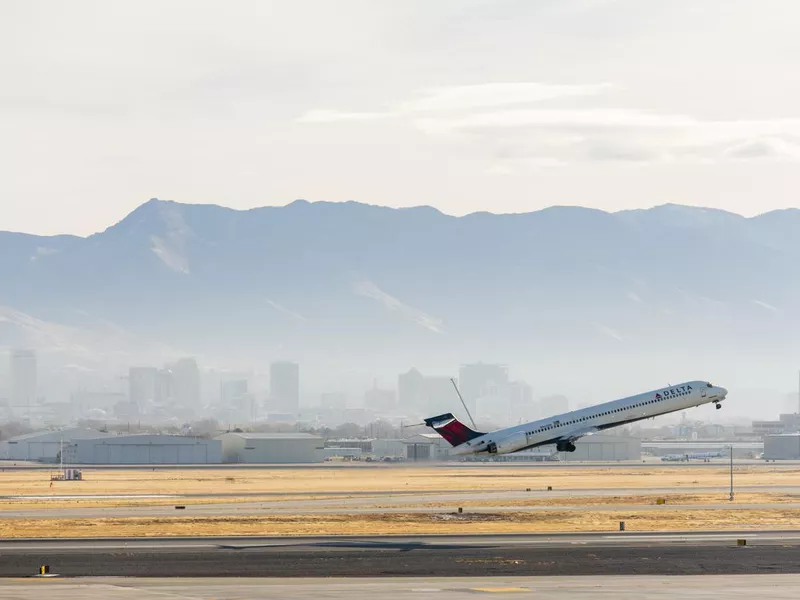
{"x": 243, "y": 509}
{"x": 774, "y": 587}
{"x": 419, "y": 556}
{"x": 715, "y": 463}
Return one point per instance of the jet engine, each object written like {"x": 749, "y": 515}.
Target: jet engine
{"x": 565, "y": 447}
{"x": 511, "y": 443}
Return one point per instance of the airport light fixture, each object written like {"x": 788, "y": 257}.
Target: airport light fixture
{"x": 731, "y": 496}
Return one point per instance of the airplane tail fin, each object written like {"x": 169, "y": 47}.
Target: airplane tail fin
{"x": 451, "y": 429}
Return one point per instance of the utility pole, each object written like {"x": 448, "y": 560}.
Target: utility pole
{"x": 731, "y": 498}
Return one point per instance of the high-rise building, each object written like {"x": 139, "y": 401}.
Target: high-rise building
{"x": 333, "y": 400}
{"x": 165, "y": 386}
{"x": 185, "y": 382}
{"x": 409, "y": 390}
{"x": 23, "y": 380}
{"x": 144, "y": 386}
{"x": 480, "y": 380}
{"x": 380, "y": 400}
{"x": 237, "y": 401}
{"x": 438, "y": 395}
{"x": 426, "y": 394}
{"x": 284, "y": 387}
{"x": 231, "y": 392}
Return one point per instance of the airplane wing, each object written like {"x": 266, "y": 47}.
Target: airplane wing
{"x": 575, "y": 434}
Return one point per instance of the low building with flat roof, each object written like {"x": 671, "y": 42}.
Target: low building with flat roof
{"x": 271, "y": 447}
{"x": 785, "y": 446}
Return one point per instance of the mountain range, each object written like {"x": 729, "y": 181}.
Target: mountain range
{"x": 566, "y": 294}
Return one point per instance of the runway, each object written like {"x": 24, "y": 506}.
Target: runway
{"x": 249, "y": 509}
{"x": 775, "y": 587}
{"x": 6, "y": 465}
{"x": 411, "y": 556}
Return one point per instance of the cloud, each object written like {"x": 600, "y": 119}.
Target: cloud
{"x": 604, "y": 329}
{"x": 500, "y": 170}
{"x": 286, "y": 311}
{"x": 370, "y": 290}
{"x": 764, "y": 305}
{"x": 494, "y": 94}
{"x": 769, "y": 148}
{"x": 460, "y": 98}
{"x": 504, "y": 120}
{"x": 332, "y": 116}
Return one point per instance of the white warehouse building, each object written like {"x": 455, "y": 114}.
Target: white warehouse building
{"x": 44, "y": 446}
{"x": 605, "y": 447}
{"x": 271, "y": 448}
{"x": 144, "y": 449}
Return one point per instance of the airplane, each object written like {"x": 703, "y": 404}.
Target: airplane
{"x": 563, "y": 430}
{"x": 705, "y": 456}
{"x": 675, "y": 458}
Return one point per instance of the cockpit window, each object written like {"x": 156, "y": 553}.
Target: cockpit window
{"x": 709, "y": 384}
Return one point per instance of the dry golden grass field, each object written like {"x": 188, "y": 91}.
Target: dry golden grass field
{"x": 390, "y": 479}
{"x": 281, "y": 487}
{"x": 403, "y": 524}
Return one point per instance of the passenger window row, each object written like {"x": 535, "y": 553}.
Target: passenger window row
{"x": 602, "y": 414}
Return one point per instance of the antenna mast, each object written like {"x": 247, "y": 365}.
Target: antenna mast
{"x": 464, "y": 404}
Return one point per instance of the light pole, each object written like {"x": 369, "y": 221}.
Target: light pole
{"x": 731, "y": 498}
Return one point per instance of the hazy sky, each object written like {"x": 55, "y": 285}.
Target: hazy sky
{"x": 500, "y": 105}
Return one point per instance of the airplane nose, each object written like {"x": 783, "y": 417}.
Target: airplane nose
{"x": 723, "y": 392}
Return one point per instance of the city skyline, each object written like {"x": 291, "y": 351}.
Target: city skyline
{"x": 153, "y": 395}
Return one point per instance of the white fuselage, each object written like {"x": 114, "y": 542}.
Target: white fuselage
{"x": 593, "y": 419}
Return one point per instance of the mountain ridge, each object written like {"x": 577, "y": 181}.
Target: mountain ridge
{"x": 350, "y": 283}
{"x": 155, "y": 201}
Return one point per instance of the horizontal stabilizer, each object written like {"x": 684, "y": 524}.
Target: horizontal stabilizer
{"x": 451, "y": 429}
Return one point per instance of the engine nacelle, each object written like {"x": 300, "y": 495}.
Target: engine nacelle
{"x": 511, "y": 443}
{"x": 565, "y": 447}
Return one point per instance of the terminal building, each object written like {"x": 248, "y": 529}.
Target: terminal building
{"x": 271, "y": 447}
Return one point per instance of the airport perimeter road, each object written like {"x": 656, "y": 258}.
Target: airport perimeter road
{"x": 420, "y": 556}
{"x": 534, "y": 465}
{"x": 246, "y": 509}
{"x": 774, "y": 587}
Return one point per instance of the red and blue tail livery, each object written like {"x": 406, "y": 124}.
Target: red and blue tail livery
{"x": 451, "y": 429}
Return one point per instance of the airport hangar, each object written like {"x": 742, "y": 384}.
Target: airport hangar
{"x": 431, "y": 446}
{"x": 271, "y": 447}
{"x": 599, "y": 447}
{"x": 143, "y": 449}
{"x": 782, "y": 446}
{"x": 44, "y": 446}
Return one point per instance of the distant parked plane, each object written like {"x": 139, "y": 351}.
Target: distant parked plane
{"x": 563, "y": 430}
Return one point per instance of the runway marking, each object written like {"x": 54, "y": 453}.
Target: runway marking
{"x": 426, "y": 589}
